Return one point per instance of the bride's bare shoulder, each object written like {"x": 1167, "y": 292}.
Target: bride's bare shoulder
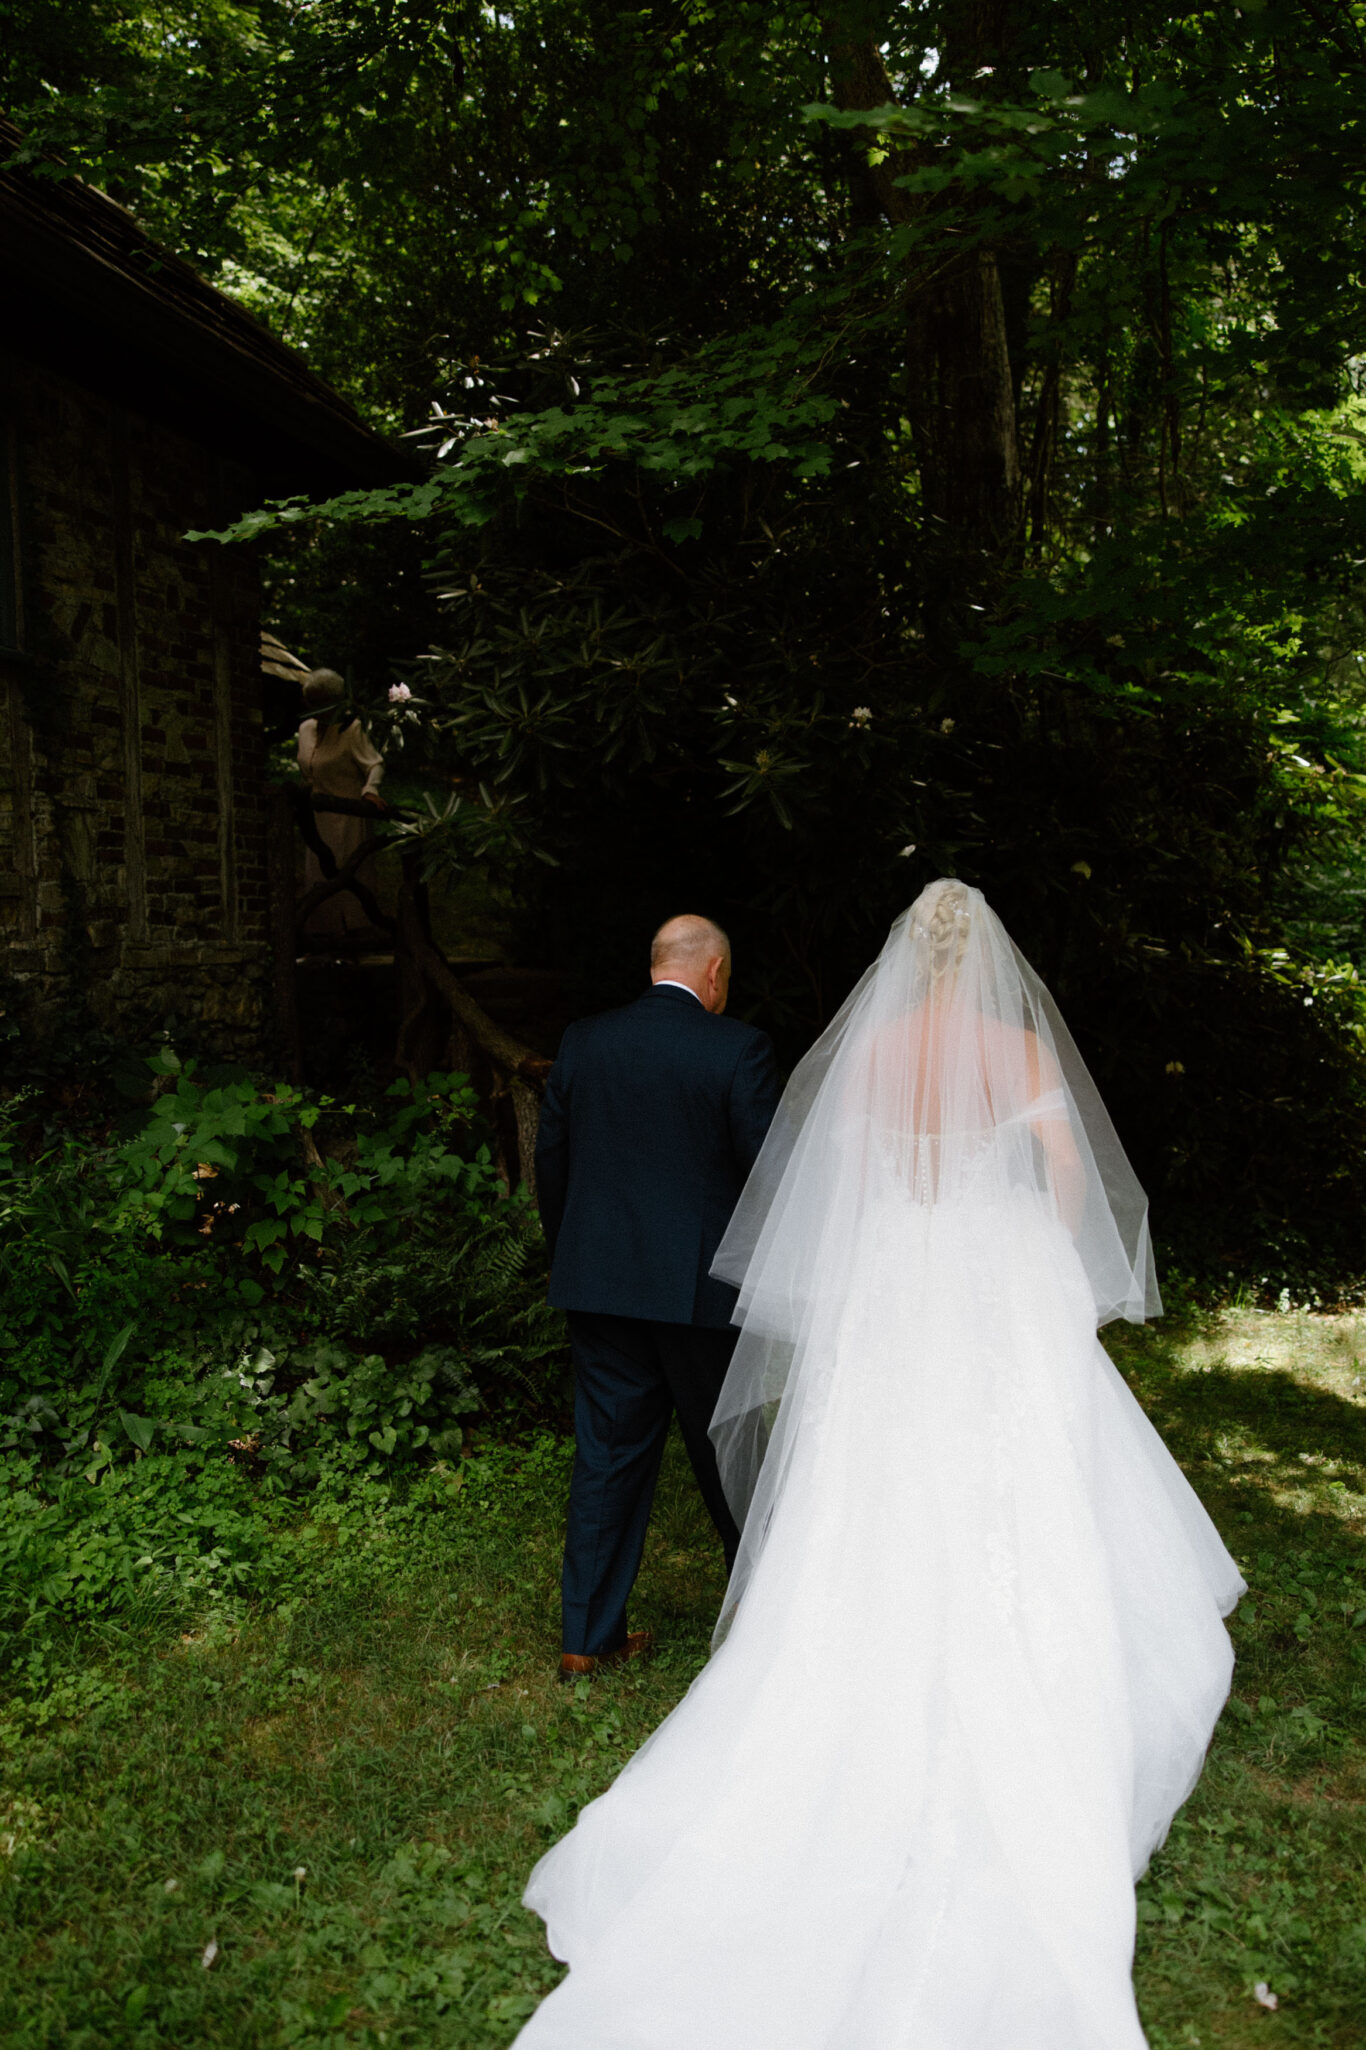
{"x": 1020, "y": 1044}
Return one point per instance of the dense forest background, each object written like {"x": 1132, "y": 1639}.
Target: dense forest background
{"x": 863, "y": 443}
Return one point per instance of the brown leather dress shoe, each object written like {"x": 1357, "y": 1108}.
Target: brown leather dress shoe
{"x": 577, "y": 1665}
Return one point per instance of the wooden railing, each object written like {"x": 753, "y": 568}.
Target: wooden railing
{"x": 440, "y": 1023}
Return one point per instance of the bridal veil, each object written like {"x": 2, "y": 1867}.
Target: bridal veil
{"x": 949, "y": 1075}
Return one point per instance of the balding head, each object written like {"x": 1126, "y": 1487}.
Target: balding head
{"x": 695, "y": 952}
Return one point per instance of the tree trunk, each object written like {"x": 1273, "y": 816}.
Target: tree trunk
{"x": 973, "y": 483}
{"x": 957, "y": 350}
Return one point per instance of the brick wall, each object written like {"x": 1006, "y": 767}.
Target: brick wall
{"x": 132, "y": 817}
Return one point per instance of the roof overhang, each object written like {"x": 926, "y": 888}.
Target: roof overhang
{"x": 89, "y": 293}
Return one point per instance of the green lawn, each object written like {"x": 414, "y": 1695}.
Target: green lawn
{"x": 344, "y": 1796}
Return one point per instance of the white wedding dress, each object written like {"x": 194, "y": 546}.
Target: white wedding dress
{"x": 973, "y": 1652}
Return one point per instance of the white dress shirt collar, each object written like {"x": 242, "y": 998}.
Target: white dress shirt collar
{"x": 667, "y": 982}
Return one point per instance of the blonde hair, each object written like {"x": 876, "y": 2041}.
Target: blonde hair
{"x": 944, "y": 920}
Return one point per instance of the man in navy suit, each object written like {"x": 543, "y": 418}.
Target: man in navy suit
{"x": 652, "y": 1119}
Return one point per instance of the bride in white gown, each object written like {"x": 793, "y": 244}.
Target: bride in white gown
{"x": 972, "y": 1651}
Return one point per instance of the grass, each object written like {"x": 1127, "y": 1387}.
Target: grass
{"x": 344, "y": 1796}
{"x": 398, "y": 1740}
{"x": 1263, "y": 1878}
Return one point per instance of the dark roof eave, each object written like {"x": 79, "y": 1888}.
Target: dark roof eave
{"x": 76, "y": 260}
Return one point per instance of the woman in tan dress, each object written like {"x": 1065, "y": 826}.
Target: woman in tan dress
{"x": 336, "y": 759}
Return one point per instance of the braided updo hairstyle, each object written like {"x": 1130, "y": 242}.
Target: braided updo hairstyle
{"x": 944, "y": 919}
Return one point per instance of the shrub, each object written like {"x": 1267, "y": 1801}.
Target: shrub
{"x": 240, "y": 1223}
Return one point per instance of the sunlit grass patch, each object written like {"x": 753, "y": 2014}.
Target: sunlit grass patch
{"x": 1263, "y": 1879}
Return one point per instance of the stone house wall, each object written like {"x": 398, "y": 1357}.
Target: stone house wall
{"x": 132, "y": 763}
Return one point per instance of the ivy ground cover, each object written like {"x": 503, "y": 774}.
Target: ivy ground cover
{"x": 307, "y": 1819}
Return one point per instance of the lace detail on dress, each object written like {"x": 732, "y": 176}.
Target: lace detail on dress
{"x": 982, "y": 1166}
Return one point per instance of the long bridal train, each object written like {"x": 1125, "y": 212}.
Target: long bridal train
{"x": 975, "y": 1662}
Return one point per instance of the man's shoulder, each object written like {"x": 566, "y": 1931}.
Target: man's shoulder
{"x": 598, "y": 1029}
{"x": 740, "y": 1033}
{"x": 683, "y": 1013}
{"x": 640, "y": 1018}
{"x": 598, "y": 1022}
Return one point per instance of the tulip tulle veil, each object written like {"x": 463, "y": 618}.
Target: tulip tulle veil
{"x": 972, "y": 1651}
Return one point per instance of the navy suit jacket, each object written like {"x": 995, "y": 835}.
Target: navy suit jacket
{"x": 651, "y": 1121}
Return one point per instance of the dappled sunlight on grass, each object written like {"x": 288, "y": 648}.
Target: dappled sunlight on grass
{"x": 1263, "y": 1880}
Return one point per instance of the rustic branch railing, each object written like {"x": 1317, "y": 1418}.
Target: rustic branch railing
{"x": 437, "y": 1015}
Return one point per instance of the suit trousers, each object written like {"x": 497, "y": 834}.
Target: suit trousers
{"x": 630, "y": 1376}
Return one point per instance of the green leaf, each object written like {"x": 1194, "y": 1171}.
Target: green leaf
{"x": 140, "y": 1429}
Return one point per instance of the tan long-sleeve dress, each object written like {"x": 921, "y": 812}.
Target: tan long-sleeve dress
{"x": 338, "y": 760}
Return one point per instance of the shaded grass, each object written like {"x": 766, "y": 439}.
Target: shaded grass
{"x": 398, "y": 1740}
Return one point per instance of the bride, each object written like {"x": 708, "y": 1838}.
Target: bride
{"x": 972, "y": 1651}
